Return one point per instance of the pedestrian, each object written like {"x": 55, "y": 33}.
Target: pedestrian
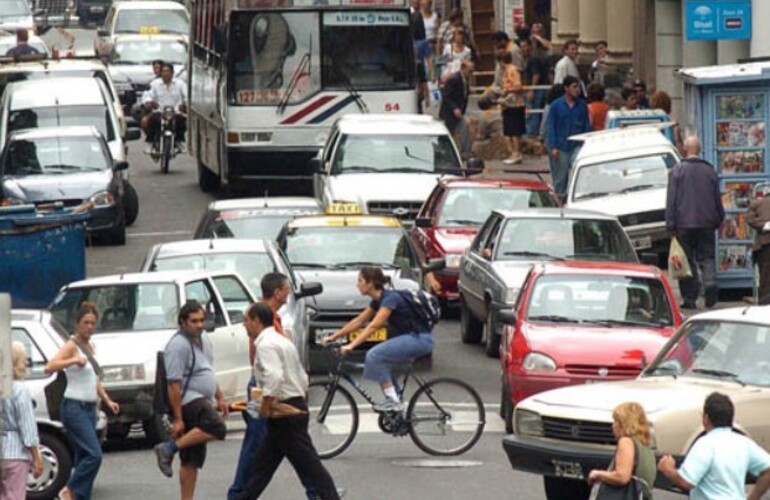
{"x": 192, "y": 391}
{"x": 633, "y": 455}
{"x": 22, "y": 47}
{"x": 284, "y": 384}
{"x": 661, "y": 100}
{"x": 455, "y": 53}
{"x": 431, "y": 21}
{"x": 421, "y": 49}
{"x": 454, "y": 101}
{"x": 597, "y": 108}
{"x": 19, "y": 445}
{"x": 409, "y": 337}
{"x": 446, "y": 33}
{"x": 758, "y": 218}
{"x": 512, "y": 105}
{"x": 501, "y": 42}
{"x": 535, "y": 74}
{"x": 567, "y": 116}
{"x": 79, "y": 407}
{"x": 640, "y": 88}
{"x": 598, "y": 67}
{"x": 628, "y": 95}
{"x": 719, "y": 460}
{"x": 693, "y": 213}
{"x": 567, "y": 65}
{"x": 489, "y": 142}
{"x": 543, "y": 45}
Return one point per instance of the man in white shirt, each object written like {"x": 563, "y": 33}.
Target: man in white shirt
{"x": 167, "y": 91}
{"x": 284, "y": 383}
{"x": 566, "y": 65}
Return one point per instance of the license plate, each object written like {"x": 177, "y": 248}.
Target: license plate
{"x": 571, "y": 470}
{"x": 642, "y": 243}
{"x": 97, "y": 8}
{"x": 379, "y": 335}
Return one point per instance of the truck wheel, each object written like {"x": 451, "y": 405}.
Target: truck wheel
{"x": 471, "y": 329}
{"x": 492, "y": 346}
{"x": 157, "y": 428}
{"x": 557, "y": 488}
{"x": 57, "y": 465}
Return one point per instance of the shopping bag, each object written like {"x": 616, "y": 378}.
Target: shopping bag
{"x": 678, "y": 265}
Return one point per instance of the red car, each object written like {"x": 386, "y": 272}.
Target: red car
{"x": 455, "y": 210}
{"x": 579, "y": 322}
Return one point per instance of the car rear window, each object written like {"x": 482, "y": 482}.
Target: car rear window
{"x": 472, "y": 206}
{"x": 63, "y": 116}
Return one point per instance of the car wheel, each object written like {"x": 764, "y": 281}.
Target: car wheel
{"x": 471, "y": 329}
{"x": 557, "y": 488}
{"x": 506, "y": 406}
{"x": 207, "y": 180}
{"x": 130, "y": 203}
{"x": 57, "y": 465}
{"x": 157, "y": 428}
{"x": 492, "y": 346}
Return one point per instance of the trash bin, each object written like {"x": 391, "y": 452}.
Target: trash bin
{"x": 40, "y": 252}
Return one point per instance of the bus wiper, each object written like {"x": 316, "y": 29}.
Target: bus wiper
{"x": 533, "y": 254}
{"x": 303, "y": 69}
{"x": 410, "y": 155}
{"x": 719, "y": 374}
{"x": 349, "y": 86}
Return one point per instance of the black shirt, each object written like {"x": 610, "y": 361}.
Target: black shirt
{"x": 418, "y": 26}
{"x": 535, "y": 66}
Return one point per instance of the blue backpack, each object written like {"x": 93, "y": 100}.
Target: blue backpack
{"x": 424, "y": 305}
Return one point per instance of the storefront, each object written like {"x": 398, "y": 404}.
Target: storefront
{"x": 729, "y": 107}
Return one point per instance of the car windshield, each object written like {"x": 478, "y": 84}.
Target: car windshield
{"x": 708, "y": 349}
{"x": 622, "y": 176}
{"x": 145, "y": 51}
{"x": 122, "y": 308}
{"x": 563, "y": 238}
{"x": 152, "y": 20}
{"x": 604, "y": 300}
{"x": 14, "y": 8}
{"x": 252, "y": 266}
{"x": 54, "y": 155}
{"x": 360, "y": 153}
{"x": 472, "y": 206}
{"x": 63, "y": 116}
{"x": 345, "y": 246}
{"x": 255, "y": 224}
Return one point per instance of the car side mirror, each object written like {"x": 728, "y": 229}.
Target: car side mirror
{"x": 649, "y": 258}
{"x": 133, "y": 134}
{"x": 316, "y": 165}
{"x": 434, "y": 265}
{"x": 507, "y": 317}
{"x": 423, "y": 222}
{"x": 474, "y": 166}
{"x": 309, "y": 289}
{"x": 102, "y": 32}
{"x": 119, "y": 165}
{"x": 209, "y": 324}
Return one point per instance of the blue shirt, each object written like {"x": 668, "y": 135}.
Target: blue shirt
{"x": 564, "y": 121}
{"x": 402, "y": 318}
{"x": 717, "y": 464}
{"x": 19, "y": 426}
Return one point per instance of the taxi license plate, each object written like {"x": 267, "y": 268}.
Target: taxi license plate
{"x": 343, "y": 208}
{"x": 642, "y": 243}
{"x": 379, "y": 335}
{"x": 571, "y": 470}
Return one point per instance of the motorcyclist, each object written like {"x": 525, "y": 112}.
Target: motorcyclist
{"x": 144, "y": 112}
{"x": 168, "y": 91}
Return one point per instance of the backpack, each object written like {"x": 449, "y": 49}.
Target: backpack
{"x": 424, "y": 305}
{"x": 160, "y": 400}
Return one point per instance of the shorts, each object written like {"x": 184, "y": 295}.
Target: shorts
{"x": 514, "y": 122}
{"x": 200, "y": 413}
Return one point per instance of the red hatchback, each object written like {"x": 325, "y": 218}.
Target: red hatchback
{"x": 583, "y": 322}
{"x": 455, "y": 210}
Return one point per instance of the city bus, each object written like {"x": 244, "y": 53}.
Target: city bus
{"x": 267, "y": 78}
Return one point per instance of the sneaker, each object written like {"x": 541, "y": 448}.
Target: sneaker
{"x": 388, "y": 406}
{"x": 164, "y": 459}
{"x": 508, "y": 161}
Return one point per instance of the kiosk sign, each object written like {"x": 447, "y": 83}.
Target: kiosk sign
{"x": 718, "y": 19}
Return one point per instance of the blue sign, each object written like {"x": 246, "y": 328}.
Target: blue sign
{"x": 718, "y": 19}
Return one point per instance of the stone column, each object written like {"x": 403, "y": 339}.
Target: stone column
{"x": 760, "y": 34}
{"x": 730, "y": 51}
{"x": 592, "y": 25}
{"x": 620, "y": 31}
{"x": 668, "y": 47}
{"x": 567, "y": 23}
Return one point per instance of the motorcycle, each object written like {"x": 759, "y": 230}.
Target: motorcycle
{"x": 164, "y": 149}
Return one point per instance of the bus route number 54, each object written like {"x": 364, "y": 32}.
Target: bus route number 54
{"x": 392, "y": 106}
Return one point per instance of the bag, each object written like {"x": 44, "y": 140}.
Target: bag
{"x": 424, "y": 305}
{"x": 636, "y": 489}
{"x": 160, "y": 399}
{"x": 678, "y": 265}
{"x": 54, "y": 395}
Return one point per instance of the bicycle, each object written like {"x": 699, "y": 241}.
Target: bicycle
{"x": 440, "y": 410}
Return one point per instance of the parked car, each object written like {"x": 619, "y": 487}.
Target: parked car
{"x": 453, "y": 213}
{"x": 253, "y": 217}
{"x": 495, "y": 265}
{"x": 578, "y": 322}
{"x": 251, "y": 259}
{"x": 42, "y": 337}
{"x": 146, "y": 17}
{"x": 8, "y": 41}
{"x": 16, "y": 15}
{"x": 383, "y": 164}
{"x": 138, "y": 314}
{"x": 624, "y": 173}
{"x": 67, "y": 165}
{"x": 331, "y": 250}
{"x": 564, "y": 433}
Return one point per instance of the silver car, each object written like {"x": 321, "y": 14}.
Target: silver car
{"x": 497, "y": 262}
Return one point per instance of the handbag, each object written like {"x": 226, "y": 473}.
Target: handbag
{"x": 54, "y": 395}
{"x": 636, "y": 489}
{"x": 678, "y": 265}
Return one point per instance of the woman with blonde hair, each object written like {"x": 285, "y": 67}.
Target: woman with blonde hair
{"x": 19, "y": 443}
{"x": 633, "y": 456}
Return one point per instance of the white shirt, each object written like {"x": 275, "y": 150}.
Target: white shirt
{"x": 565, "y": 67}
{"x": 173, "y": 94}
{"x": 81, "y": 381}
{"x": 278, "y": 368}
{"x": 431, "y": 26}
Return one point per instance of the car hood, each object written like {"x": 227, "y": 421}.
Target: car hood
{"x": 512, "y": 272}
{"x": 128, "y": 73}
{"x": 627, "y": 203}
{"x": 372, "y": 186}
{"x": 37, "y": 188}
{"x": 130, "y": 348}
{"x": 455, "y": 239}
{"x": 339, "y": 287}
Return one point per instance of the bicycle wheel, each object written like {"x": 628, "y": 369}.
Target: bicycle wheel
{"x": 333, "y": 419}
{"x": 446, "y": 417}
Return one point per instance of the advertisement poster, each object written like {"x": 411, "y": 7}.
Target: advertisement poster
{"x": 736, "y": 195}
{"x": 734, "y": 257}
{"x": 735, "y": 227}
{"x": 730, "y": 107}
{"x": 741, "y": 162}
{"x": 740, "y": 134}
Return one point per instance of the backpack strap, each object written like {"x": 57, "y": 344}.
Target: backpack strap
{"x": 89, "y": 356}
{"x": 192, "y": 366}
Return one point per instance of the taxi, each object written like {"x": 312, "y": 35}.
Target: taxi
{"x": 150, "y": 17}
{"x": 331, "y": 249}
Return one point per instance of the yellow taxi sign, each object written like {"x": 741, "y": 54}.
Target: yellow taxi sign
{"x": 149, "y": 30}
{"x": 343, "y": 208}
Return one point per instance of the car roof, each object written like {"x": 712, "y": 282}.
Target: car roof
{"x": 344, "y": 221}
{"x": 148, "y": 5}
{"x": 53, "y": 65}
{"x": 45, "y": 132}
{"x": 572, "y": 267}
{"x": 64, "y": 91}
{"x": 637, "y": 137}
{"x": 747, "y": 314}
{"x": 27, "y": 314}
{"x": 139, "y": 278}
{"x": 210, "y": 246}
{"x": 391, "y": 124}
{"x": 554, "y": 213}
{"x": 154, "y": 37}
{"x": 485, "y": 182}
{"x": 265, "y": 202}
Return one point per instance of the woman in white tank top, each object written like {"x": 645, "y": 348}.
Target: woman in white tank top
{"x": 79, "y": 407}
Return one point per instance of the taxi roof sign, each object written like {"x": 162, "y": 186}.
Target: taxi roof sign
{"x": 343, "y": 208}
{"x": 312, "y": 221}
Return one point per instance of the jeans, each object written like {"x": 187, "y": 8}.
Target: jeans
{"x": 533, "y": 119}
{"x": 699, "y": 245}
{"x": 560, "y": 168}
{"x": 395, "y": 351}
{"x": 79, "y": 420}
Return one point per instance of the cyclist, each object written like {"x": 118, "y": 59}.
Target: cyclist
{"x": 409, "y": 337}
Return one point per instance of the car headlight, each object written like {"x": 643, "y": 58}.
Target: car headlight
{"x": 102, "y": 199}
{"x": 528, "y": 423}
{"x": 123, "y": 373}
{"x": 453, "y": 259}
{"x": 538, "y": 362}
{"x": 511, "y": 294}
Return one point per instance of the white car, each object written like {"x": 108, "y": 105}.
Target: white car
{"x": 137, "y": 317}
{"x": 146, "y": 17}
{"x": 624, "y": 172}
{"x": 383, "y": 164}
{"x": 16, "y": 15}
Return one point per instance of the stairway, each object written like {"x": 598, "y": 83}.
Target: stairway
{"x": 481, "y": 14}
